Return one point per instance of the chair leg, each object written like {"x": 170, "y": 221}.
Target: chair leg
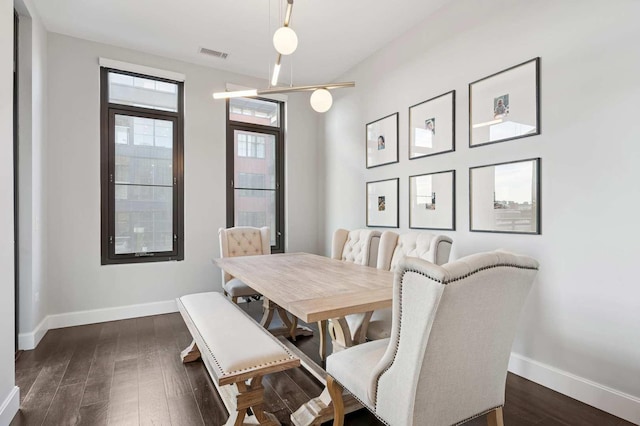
{"x": 234, "y": 299}
{"x": 494, "y": 418}
{"x": 335, "y": 390}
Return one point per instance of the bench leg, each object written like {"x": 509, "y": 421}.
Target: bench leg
{"x": 191, "y": 353}
{"x": 251, "y": 395}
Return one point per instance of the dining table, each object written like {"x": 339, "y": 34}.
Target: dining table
{"x": 315, "y": 288}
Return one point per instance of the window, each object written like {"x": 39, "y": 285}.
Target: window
{"x": 255, "y": 166}
{"x": 141, "y": 168}
{"x": 251, "y": 146}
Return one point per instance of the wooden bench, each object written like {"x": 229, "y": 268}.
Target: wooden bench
{"x": 235, "y": 350}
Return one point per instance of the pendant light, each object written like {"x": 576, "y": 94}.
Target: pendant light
{"x": 285, "y": 42}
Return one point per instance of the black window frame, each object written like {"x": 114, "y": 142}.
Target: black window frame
{"x": 107, "y": 171}
{"x": 278, "y": 132}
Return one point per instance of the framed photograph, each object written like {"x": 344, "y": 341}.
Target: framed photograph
{"x": 505, "y": 197}
{"x": 432, "y": 126}
{"x": 432, "y": 201}
{"x": 382, "y": 203}
{"x": 506, "y": 105}
{"x": 382, "y": 141}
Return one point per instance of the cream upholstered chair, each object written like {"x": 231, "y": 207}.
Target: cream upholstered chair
{"x": 446, "y": 360}
{"x": 242, "y": 241}
{"x": 359, "y": 246}
{"x": 393, "y": 248}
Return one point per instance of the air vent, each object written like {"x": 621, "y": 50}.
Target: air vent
{"x": 210, "y": 52}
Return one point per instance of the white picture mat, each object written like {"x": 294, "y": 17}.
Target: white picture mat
{"x": 442, "y": 216}
{"x": 421, "y": 141}
{"x": 498, "y": 185}
{"x": 388, "y": 128}
{"x": 389, "y": 190}
{"x": 520, "y": 84}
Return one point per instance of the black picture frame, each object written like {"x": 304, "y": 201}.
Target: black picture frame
{"x": 369, "y": 152}
{"x": 394, "y": 186}
{"x": 501, "y": 105}
{"x": 431, "y": 214}
{"x": 489, "y": 212}
{"x": 432, "y": 122}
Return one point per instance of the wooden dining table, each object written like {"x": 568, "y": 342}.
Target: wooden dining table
{"x": 316, "y": 289}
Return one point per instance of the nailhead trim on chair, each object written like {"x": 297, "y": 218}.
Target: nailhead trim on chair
{"x": 225, "y": 373}
{"x": 478, "y": 415}
{"x": 395, "y": 353}
{"x": 500, "y": 265}
{"x": 445, "y": 282}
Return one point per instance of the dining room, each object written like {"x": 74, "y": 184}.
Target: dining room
{"x": 288, "y": 212}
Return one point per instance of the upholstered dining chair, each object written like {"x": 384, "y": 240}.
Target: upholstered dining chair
{"x": 249, "y": 241}
{"x": 242, "y": 241}
{"x": 446, "y": 360}
{"x": 392, "y": 249}
{"x": 359, "y": 246}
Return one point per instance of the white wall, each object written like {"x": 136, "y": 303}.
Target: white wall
{"x": 581, "y": 324}
{"x": 8, "y": 401}
{"x": 32, "y": 116}
{"x": 77, "y": 280}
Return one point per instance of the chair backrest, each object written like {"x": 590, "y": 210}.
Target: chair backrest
{"x": 243, "y": 241}
{"x": 359, "y": 246}
{"x": 423, "y": 245}
{"x": 452, "y": 331}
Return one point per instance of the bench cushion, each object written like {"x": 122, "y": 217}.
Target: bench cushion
{"x": 233, "y": 341}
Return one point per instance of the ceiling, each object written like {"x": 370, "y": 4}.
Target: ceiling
{"x": 334, "y": 35}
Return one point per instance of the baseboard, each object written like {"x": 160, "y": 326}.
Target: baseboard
{"x": 602, "y": 397}
{"x": 10, "y": 406}
{"x": 28, "y": 341}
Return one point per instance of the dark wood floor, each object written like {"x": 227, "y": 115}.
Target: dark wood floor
{"x": 129, "y": 373}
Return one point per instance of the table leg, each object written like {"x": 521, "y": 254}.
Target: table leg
{"x": 290, "y": 328}
{"x": 342, "y": 336}
{"x": 322, "y": 329}
{"x": 320, "y": 409}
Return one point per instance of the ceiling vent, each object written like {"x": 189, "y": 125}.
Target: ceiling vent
{"x": 210, "y": 52}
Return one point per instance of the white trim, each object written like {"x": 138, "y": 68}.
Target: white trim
{"x": 605, "y": 398}
{"x": 71, "y": 319}
{"x": 141, "y": 69}
{"x": 28, "y": 341}
{"x": 230, "y": 87}
{"x": 10, "y": 406}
